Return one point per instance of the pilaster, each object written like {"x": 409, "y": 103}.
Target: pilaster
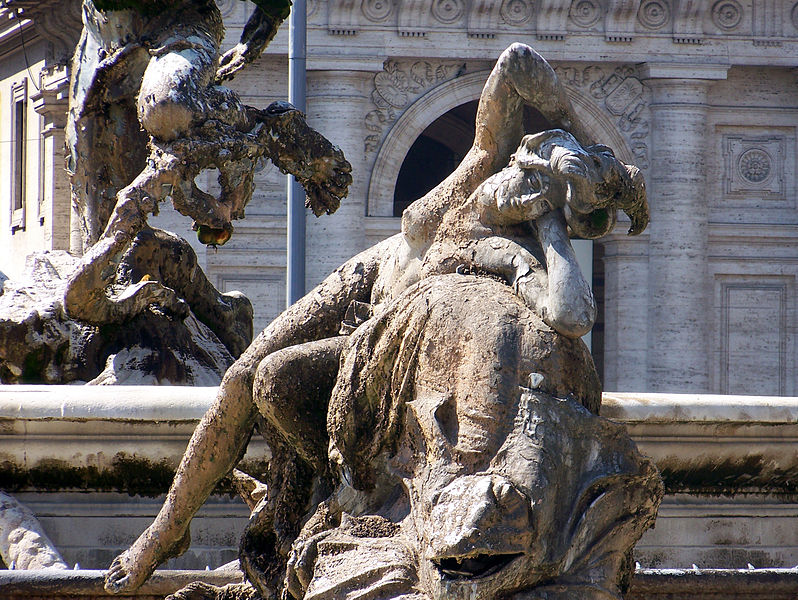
{"x": 337, "y": 102}
{"x": 678, "y": 287}
{"x": 625, "y": 311}
{"x": 54, "y": 206}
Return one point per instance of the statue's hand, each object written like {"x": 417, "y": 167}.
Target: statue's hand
{"x": 297, "y": 148}
{"x": 232, "y": 61}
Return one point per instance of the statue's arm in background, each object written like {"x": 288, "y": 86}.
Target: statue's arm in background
{"x": 259, "y": 31}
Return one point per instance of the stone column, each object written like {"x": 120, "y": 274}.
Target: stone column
{"x": 678, "y": 309}
{"x": 625, "y": 311}
{"x": 336, "y": 106}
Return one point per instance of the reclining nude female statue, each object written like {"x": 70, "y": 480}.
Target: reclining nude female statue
{"x": 500, "y": 216}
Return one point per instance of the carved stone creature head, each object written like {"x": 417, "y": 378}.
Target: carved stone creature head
{"x": 460, "y": 420}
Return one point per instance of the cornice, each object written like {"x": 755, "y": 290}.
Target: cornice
{"x": 763, "y": 23}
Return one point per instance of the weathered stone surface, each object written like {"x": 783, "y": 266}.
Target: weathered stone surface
{"x": 460, "y": 350}
{"x": 459, "y": 480}
{"x": 23, "y": 543}
{"x": 145, "y": 120}
{"x": 39, "y": 343}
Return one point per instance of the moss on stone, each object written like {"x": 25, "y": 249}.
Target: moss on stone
{"x": 127, "y": 474}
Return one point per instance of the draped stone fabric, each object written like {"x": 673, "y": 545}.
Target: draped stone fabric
{"x": 465, "y": 431}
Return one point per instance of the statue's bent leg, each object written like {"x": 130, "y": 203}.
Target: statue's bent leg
{"x": 215, "y": 447}
{"x": 222, "y": 434}
{"x": 292, "y": 389}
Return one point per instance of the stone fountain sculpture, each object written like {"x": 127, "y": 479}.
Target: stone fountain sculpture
{"x": 146, "y": 116}
{"x": 431, "y": 410}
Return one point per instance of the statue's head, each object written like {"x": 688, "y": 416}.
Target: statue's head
{"x": 583, "y": 178}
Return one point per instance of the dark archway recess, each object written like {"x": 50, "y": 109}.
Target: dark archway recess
{"x": 440, "y": 148}
{"x": 597, "y": 284}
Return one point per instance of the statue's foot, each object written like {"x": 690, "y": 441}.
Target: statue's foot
{"x": 127, "y": 572}
{"x": 133, "y": 567}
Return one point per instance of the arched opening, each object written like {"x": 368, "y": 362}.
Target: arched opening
{"x": 440, "y": 148}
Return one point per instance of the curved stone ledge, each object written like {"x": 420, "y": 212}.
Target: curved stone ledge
{"x": 88, "y": 584}
{"x": 104, "y": 403}
{"x": 632, "y": 408}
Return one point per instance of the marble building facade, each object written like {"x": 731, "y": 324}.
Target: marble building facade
{"x": 703, "y": 96}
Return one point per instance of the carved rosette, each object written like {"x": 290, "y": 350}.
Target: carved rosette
{"x": 654, "y": 14}
{"x": 622, "y": 97}
{"x": 585, "y": 13}
{"x": 727, "y": 14}
{"x": 377, "y": 11}
{"x": 448, "y": 11}
{"x": 754, "y": 166}
{"x": 396, "y": 87}
{"x": 516, "y": 12}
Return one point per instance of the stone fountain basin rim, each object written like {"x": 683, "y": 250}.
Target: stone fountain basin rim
{"x": 633, "y": 408}
{"x": 164, "y": 403}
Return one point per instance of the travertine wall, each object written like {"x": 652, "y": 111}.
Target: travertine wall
{"x": 701, "y": 95}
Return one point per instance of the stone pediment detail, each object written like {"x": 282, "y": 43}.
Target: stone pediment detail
{"x": 397, "y": 86}
{"x": 552, "y": 19}
{"x": 622, "y": 99}
{"x": 767, "y": 22}
{"x": 58, "y": 23}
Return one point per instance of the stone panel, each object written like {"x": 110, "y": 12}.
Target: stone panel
{"x": 754, "y": 337}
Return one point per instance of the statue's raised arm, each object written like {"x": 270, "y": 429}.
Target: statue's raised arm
{"x": 258, "y": 32}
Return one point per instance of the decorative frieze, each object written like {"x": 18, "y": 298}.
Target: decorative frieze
{"x": 377, "y": 11}
{"x": 687, "y": 27}
{"x": 448, "y": 11}
{"x": 519, "y": 12}
{"x": 552, "y": 19}
{"x": 618, "y": 20}
{"x": 585, "y": 13}
{"x": 727, "y": 14}
{"x": 396, "y": 87}
{"x": 654, "y": 14}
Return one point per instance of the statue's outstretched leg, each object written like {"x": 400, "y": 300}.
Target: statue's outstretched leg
{"x": 222, "y": 434}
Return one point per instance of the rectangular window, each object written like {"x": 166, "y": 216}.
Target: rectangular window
{"x": 19, "y": 117}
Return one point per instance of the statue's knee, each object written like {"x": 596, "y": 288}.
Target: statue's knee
{"x": 268, "y": 377}
{"x": 514, "y": 52}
